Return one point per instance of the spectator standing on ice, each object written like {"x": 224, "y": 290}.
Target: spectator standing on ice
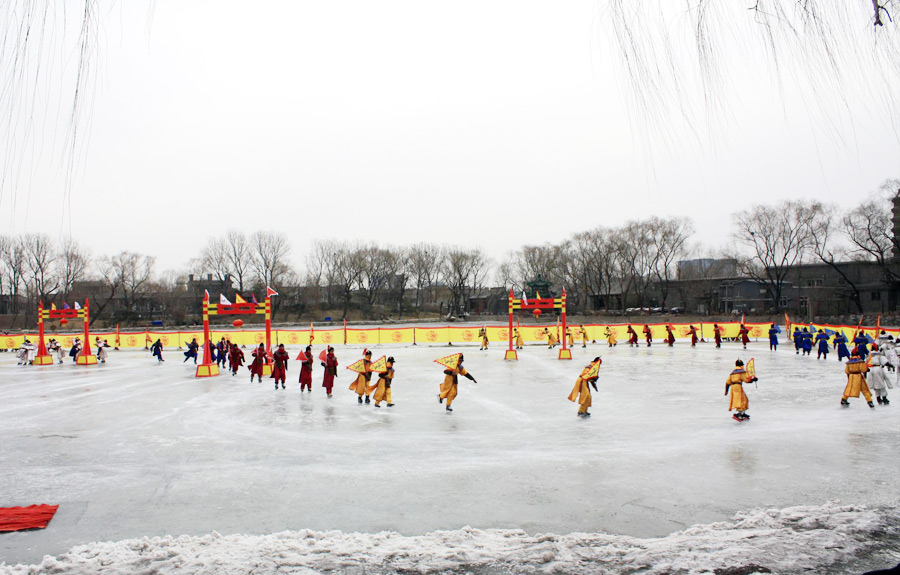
{"x": 451, "y": 381}
{"x": 878, "y": 375}
{"x": 581, "y": 393}
{"x": 735, "y": 385}
{"x": 361, "y": 385}
{"x": 280, "y": 365}
{"x": 191, "y": 352}
{"x": 306, "y": 361}
{"x": 856, "y": 369}
{"x": 382, "y": 387}
{"x": 156, "y": 350}
{"x": 773, "y": 338}
{"x": 236, "y": 355}
{"x": 330, "y": 364}
{"x": 822, "y": 345}
{"x": 840, "y": 344}
{"x": 648, "y": 334}
{"x": 632, "y": 337}
{"x": 717, "y": 334}
{"x": 260, "y": 358}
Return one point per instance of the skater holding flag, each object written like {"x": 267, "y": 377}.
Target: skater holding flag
{"x": 581, "y": 393}
{"x": 735, "y": 385}
{"x": 385, "y": 370}
{"x": 279, "y": 369}
{"x": 856, "y": 370}
{"x": 306, "y": 358}
{"x": 454, "y": 368}
{"x": 330, "y": 363}
{"x": 363, "y": 370}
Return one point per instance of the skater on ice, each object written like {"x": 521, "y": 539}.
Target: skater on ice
{"x": 581, "y": 393}
{"x": 670, "y": 337}
{"x": 611, "y": 337}
{"x": 861, "y": 341}
{"x": 361, "y": 385}
{"x": 192, "y": 349}
{"x": 735, "y": 385}
{"x": 773, "y": 337}
{"x": 280, "y": 365}
{"x": 156, "y": 350}
{"x": 236, "y": 358}
{"x": 856, "y": 370}
{"x": 382, "y": 387}
{"x": 878, "y": 378}
{"x": 632, "y": 337}
{"x": 520, "y": 343}
{"x": 840, "y": 344}
{"x": 797, "y": 336}
{"x": 822, "y": 345}
{"x": 744, "y": 334}
{"x": 330, "y": 364}
{"x": 584, "y": 336}
{"x": 648, "y": 334}
{"x": 693, "y": 333}
{"x": 482, "y": 334}
{"x": 454, "y": 368}
{"x": 806, "y": 342}
{"x": 260, "y": 359}
{"x": 306, "y": 360}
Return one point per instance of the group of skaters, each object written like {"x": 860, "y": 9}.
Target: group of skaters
{"x": 28, "y": 350}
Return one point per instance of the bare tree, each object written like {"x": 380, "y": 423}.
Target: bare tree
{"x": 777, "y": 238}
{"x": 668, "y": 237}
{"x": 826, "y": 249}
{"x": 463, "y": 271}
{"x": 127, "y": 273}
{"x": 237, "y": 254}
{"x": 12, "y": 269}
{"x": 869, "y": 227}
{"x": 269, "y": 252}
{"x": 423, "y": 264}
{"x": 214, "y": 258}
{"x": 74, "y": 261}
{"x": 40, "y": 259}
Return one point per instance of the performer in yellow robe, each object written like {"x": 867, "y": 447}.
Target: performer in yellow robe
{"x": 570, "y": 337}
{"x": 856, "y": 369}
{"x": 382, "y": 387}
{"x": 520, "y": 343}
{"x": 735, "y": 384}
{"x": 451, "y": 380}
{"x": 482, "y": 333}
{"x": 584, "y": 335}
{"x": 361, "y": 384}
{"x": 581, "y": 393}
{"x": 552, "y": 339}
{"x": 610, "y": 337}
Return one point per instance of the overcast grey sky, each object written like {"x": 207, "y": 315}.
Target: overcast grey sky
{"x": 491, "y": 124}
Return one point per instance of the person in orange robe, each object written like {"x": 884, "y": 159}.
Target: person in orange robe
{"x": 735, "y": 385}
{"x": 361, "y": 385}
{"x": 581, "y": 393}
{"x": 856, "y": 370}
{"x": 279, "y": 367}
{"x": 382, "y": 387}
{"x": 451, "y": 380}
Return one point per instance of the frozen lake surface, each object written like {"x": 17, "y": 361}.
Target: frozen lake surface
{"x": 660, "y": 479}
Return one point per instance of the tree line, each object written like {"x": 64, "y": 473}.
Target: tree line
{"x": 635, "y": 262}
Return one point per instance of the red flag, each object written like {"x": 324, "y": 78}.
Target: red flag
{"x": 253, "y": 298}
{"x": 270, "y": 292}
{"x": 323, "y": 354}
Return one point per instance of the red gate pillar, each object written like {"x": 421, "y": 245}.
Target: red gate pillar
{"x": 86, "y": 357}
{"x": 564, "y": 353}
{"x": 206, "y": 368}
{"x": 42, "y": 357}
{"x": 511, "y": 353}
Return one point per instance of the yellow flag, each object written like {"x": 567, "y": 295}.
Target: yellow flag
{"x": 52, "y": 306}
{"x": 379, "y": 365}
{"x": 450, "y": 362}
{"x": 592, "y": 371}
{"x": 239, "y": 299}
{"x": 751, "y": 368}
{"x": 359, "y": 366}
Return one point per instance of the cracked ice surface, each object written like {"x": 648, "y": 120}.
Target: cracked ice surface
{"x": 134, "y": 448}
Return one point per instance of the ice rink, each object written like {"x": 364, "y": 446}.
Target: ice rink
{"x": 134, "y": 449}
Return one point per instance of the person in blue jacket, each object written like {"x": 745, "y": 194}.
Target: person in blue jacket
{"x": 822, "y": 340}
{"x": 798, "y": 340}
{"x": 806, "y": 342}
{"x": 773, "y": 337}
{"x": 861, "y": 341}
{"x": 840, "y": 344}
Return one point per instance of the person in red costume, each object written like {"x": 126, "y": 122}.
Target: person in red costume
{"x": 259, "y": 360}
{"x": 279, "y": 367}
{"x": 236, "y": 356}
{"x": 306, "y": 360}
{"x": 330, "y": 364}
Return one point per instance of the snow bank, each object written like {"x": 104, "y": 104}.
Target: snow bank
{"x": 792, "y": 540}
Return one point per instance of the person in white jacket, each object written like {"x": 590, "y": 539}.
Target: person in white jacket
{"x": 878, "y": 376}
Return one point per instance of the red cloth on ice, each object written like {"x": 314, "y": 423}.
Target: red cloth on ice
{"x": 31, "y": 517}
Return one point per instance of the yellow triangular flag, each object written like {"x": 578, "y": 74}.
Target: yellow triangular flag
{"x": 359, "y": 366}
{"x": 52, "y": 306}
{"x": 239, "y": 299}
{"x": 379, "y": 365}
{"x": 751, "y": 368}
{"x": 592, "y": 371}
{"x": 450, "y": 362}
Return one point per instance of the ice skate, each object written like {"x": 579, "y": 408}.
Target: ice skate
{"x": 737, "y": 417}
{"x": 390, "y": 405}
{"x": 359, "y": 399}
{"x": 872, "y": 405}
{"x": 378, "y": 406}
{"x": 367, "y": 399}
{"x": 282, "y": 385}
{"x": 845, "y": 403}
{"x": 448, "y": 408}
{"x": 744, "y": 416}
{"x": 440, "y": 399}
{"x": 885, "y": 401}
{"x": 879, "y": 400}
